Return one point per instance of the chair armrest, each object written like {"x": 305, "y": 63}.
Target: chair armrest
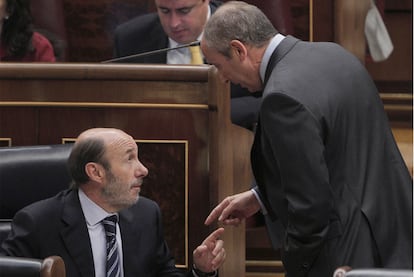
{"x": 27, "y": 267}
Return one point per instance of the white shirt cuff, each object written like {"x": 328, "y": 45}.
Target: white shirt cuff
{"x": 262, "y": 207}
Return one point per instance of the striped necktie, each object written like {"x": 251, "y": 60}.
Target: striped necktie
{"x": 196, "y": 55}
{"x": 112, "y": 257}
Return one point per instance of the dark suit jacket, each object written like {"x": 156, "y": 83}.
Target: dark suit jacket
{"x": 145, "y": 33}
{"x": 56, "y": 226}
{"x": 327, "y": 165}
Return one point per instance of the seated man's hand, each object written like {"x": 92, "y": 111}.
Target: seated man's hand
{"x": 210, "y": 255}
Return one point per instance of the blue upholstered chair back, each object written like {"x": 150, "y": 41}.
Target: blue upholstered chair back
{"x": 29, "y": 174}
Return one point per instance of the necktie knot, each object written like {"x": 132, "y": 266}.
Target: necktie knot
{"x": 196, "y": 55}
{"x": 109, "y": 224}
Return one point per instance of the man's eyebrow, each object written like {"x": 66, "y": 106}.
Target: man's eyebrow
{"x": 187, "y": 7}
{"x": 179, "y": 8}
{"x": 130, "y": 151}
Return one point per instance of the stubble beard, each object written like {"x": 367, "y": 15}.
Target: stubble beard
{"x": 116, "y": 195}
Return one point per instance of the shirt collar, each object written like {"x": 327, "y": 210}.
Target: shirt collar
{"x": 274, "y": 43}
{"x": 92, "y": 212}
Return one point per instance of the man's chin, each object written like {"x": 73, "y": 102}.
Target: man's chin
{"x": 136, "y": 196}
{"x": 181, "y": 38}
{"x": 133, "y": 201}
{"x": 136, "y": 200}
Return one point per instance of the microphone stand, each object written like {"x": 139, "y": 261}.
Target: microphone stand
{"x": 194, "y": 43}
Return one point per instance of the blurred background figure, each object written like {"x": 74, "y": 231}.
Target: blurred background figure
{"x": 18, "y": 40}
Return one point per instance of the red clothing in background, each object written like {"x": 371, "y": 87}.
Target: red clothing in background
{"x": 43, "y": 51}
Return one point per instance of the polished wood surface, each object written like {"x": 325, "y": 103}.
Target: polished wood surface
{"x": 179, "y": 116}
{"x": 349, "y": 25}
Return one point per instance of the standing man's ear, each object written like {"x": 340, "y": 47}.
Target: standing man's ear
{"x": 238, "y": 49}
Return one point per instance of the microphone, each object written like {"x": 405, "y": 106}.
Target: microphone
{"x": 194, "y": 43}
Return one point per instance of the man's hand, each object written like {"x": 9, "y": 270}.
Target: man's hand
{"x": 234, "y": 209}
{"x": 210, "y": 255}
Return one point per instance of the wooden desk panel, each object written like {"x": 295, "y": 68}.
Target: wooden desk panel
{"x": 168, "y": 109}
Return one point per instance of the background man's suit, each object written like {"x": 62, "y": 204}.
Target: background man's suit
{"x": 56, "y": 226}
{"x": 327, "y": 165}
{"x": 145, "y": 33}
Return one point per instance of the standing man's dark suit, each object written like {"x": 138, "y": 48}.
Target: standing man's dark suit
{"x": 145, "y": 33}
{"x": 327, "y": 165}
{"x": 56, "y": 226}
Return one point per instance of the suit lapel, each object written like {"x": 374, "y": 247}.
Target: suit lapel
{"x": 160, "y": 43}
{"x": 75, "y": 235}
{"x": 256, "y": 155}
{"x": 281, "y": 50}
{"x": 130, "y": 234}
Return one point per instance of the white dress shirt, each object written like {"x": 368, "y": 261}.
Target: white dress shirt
{"x": 276, "y": 40}
{"x": 93, "y": 216}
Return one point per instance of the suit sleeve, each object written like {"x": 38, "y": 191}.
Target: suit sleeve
{"x": 295, "y": 137}
{"x": 21, "y": 240}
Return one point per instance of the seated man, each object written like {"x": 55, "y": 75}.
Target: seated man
{"x": 176, "y": 23}
{"x": 107, "y": 178}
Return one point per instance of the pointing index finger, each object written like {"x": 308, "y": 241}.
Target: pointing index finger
{"x": 216, "y": 212}
{"x": 215, "y": 235}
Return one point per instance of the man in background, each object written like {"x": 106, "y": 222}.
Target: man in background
{"x": 179, "y": 22}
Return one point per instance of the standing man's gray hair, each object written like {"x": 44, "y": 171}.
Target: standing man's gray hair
{"x": 237, "y": 20}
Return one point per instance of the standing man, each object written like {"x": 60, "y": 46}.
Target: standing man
{"x": 101, "y": 226}
{"x": 179, "y": 22}
{"x": 330, "y": 178}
